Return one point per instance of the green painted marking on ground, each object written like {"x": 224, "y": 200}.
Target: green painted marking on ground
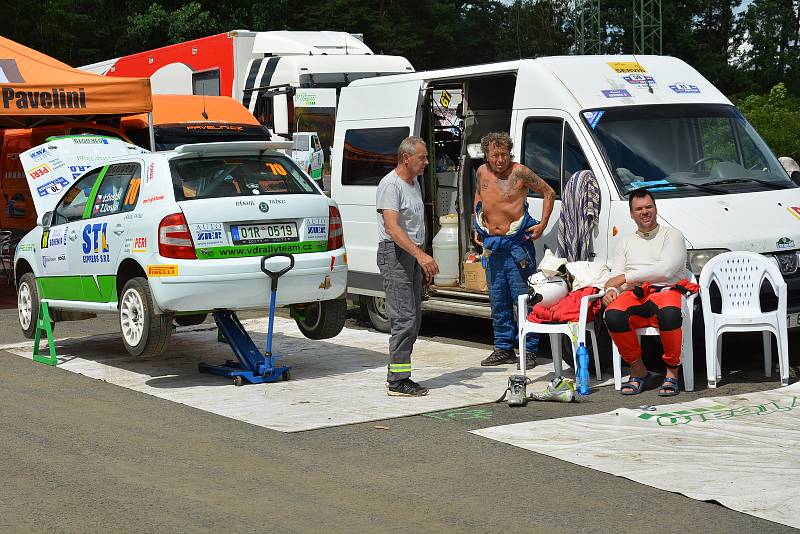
{"x": 462, "y": 414}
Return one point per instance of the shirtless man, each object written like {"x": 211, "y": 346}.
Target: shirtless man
{"x": 507, "y": 231}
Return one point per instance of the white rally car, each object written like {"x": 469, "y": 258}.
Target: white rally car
{"x": 177, "y": 234}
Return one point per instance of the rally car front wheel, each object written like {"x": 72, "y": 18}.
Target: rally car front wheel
{"x": 27, "y": 304}
{"x": 144, "y": 333}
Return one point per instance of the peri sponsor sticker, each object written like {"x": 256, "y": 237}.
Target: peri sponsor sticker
{"x": 624, "y": 67}
{"x": 640, "y": 80}
{"x": 139, "y": 244}
{"x": 39, "y": 171}
{"x": 208, "y": 234}
{"x": 52, "y": 187}
{"x": 593, "y": 117}
{"x": 616, "y": 93}
{"x": 684, "y": 88}
{"x": 162, "y": 270}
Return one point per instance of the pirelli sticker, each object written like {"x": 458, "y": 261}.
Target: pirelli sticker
{"x": 627, "y": 67}
{"x": 162, "y": 270}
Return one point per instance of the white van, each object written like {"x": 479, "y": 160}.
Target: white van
{"x": 308, "y": 154}
{"x": 645, "y": 121}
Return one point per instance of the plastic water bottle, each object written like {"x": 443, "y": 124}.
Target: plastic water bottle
{"x": 582, "y": 375}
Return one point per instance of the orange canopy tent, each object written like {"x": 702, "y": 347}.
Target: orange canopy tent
{"x": 37, "y": 89}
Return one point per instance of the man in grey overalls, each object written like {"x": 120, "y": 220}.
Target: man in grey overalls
{"x": 402, "y": 260}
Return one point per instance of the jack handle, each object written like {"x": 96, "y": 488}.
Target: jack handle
{"x": 276, "y": 274}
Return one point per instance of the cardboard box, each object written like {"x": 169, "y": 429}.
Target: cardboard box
{"x": 475, "y": 277}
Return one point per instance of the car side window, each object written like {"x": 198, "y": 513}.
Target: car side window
{"x": 542, "y": 150}
{"x": 73, "y": 203}
{"x": 118, "y": 191}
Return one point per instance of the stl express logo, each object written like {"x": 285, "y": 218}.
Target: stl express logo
{"x": 95, "y": 243}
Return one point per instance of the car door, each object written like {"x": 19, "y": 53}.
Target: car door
{"x": 60, "y": 252}
{"x": 552, "y": 146}
{"x": 103, "y": 231}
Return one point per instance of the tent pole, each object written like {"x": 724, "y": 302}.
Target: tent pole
{"x": 152, "y": 131}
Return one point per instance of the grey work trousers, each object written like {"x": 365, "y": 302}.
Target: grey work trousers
{"x": 402, "y": 283}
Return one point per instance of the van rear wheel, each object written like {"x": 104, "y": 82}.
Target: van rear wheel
{"x": 144, "y": 333}
{"x": 376, "y": 311}
{"x": 322, "y": 320}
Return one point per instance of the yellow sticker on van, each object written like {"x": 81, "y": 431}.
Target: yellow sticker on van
{"x": 445, "y": 98}
{"x": 625, "y": 67}
{"x": 162, "y": 270}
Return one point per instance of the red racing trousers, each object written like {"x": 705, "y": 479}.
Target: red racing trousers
{"x": 661, "y": 309}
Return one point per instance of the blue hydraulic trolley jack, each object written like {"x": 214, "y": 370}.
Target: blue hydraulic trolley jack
{"x": 252, "y": 367}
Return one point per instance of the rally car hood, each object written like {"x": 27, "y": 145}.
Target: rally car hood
{"x": 53, "y": 166}
{"x": 761, "y": 222}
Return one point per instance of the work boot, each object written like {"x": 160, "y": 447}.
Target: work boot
{"x": 499, "y": 357}
{"x": 406, "y": 388}
{"x": 530, "y": 360}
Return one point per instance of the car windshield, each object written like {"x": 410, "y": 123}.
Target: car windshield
{"x": 237, "y": 176}
{"x": 685, "y": 150}
{"x": 301, "y": 142}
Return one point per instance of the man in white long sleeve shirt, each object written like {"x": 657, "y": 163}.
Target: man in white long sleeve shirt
{"x": 654, "y": 256}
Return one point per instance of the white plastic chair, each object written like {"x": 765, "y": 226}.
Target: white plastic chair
{"x": 739, "y": 276}
{"x": 576, "y": 332}
{"x": 687, "y": 350}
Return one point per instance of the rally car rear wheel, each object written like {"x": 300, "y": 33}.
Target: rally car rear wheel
{"x": 322, "y": 320}
{"x": 144, "y": 333}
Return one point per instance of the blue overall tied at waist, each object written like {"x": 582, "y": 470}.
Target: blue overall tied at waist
{"x": 497, "y": 243}
{"x": 511, "y": 260}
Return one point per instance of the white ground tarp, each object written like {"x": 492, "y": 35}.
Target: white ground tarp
{"x": 741, "y": 451}
{"x": 334, "y": 382}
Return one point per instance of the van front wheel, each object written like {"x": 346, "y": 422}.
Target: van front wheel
{"x": 376, "y": 310}
{"x": 144, "y": 333}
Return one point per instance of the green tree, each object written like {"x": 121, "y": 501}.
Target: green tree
{"x": 776, "y": 117}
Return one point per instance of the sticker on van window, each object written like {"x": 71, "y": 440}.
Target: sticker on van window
{"x": 593, "y": 117}
{"x": 640, "y": 80}
{"x": 684, "y": 88}
{"x": 624, "y": 67}
{"x": 616, "y": 93}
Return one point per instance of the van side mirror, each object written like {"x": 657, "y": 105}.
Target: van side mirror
{"x": 791, "y": 167}
{"x": 46, "y": 219}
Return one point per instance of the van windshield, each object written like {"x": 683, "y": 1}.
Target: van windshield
{"x": 685, "y": 150}
{"x": 237, "y": 176}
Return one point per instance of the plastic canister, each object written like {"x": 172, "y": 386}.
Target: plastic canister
{"x": 445, "y": 251}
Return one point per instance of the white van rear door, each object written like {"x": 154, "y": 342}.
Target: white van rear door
{"x": 372, "y": 120}
{"x": 554, "y": 146}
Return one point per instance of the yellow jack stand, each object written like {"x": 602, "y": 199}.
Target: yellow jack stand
{"x": 43, "y": 324}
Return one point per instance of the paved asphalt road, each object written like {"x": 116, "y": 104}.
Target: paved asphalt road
{"x": 81, "y": 455}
